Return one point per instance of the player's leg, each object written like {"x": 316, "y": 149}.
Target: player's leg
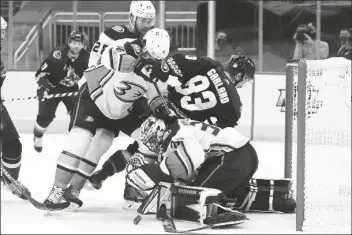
{"x": 99, "y": 145}
{"x": 82, "y": 129}
{"x": 69, "y": 102}
{"x": 229, "y": 172}
{"x": 46, "y": 114}
{"x": 117, "y": 162}
{"x": 11, "y": 150}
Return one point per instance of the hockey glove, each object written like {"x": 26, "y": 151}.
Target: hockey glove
{"x": 133, "y": 48}
{"x": 151, "y": 71}
{"x": 42, "y": 92}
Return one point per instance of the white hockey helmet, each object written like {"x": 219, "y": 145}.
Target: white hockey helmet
{"x": 156, "y": 44}
{"x": 3, "y": 23}
{"x": 142, "y": 9}
{"x": 153, "y": 132}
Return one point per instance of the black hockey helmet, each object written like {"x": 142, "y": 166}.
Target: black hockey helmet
{"x": 76, "y": 36}
{"x": 241, "y": 69}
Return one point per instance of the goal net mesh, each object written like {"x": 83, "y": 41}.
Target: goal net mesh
{"x": 327, "y": 153}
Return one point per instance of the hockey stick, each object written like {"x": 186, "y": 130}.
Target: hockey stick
{"x": 169, "y": 225}
{"x": 174, "y": 108}
{"x": 26, "y": 193}
{"x": 161, "y": 97}
{"x": 59, "y": 95}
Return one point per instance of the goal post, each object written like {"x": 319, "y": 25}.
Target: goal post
{"x": 318, "y": 142}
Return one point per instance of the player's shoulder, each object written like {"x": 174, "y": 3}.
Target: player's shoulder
{"x": 119, "y": 32}
{"x": 84, "y": 54}
{"x": 58, "y": 53}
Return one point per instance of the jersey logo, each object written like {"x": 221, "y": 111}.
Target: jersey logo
{"x": 164, "y": 67}
{"x": 118, "y": 29}
{"x": 57, "y": 54}
{"x": 137, "y": 49}
{"x": 128, "y": 91}
{"x": 174, "y": 67}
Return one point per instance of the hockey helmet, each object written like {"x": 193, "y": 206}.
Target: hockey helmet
{"x": 156, "y": 45}
{"x": 3, "y": 23}
{"x": 76, "y": 36}
{"x": 76, "y": 42}
{"x": 241, "y": 69}
{"x": 3, "y": 30}
{"x": 144, "y": 10}
{"x": 153, "y": 132}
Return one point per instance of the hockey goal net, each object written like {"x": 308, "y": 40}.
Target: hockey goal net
{"x": 318, "y": 142}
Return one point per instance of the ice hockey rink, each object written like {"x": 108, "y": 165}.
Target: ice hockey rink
{"x": 102, "y": 210}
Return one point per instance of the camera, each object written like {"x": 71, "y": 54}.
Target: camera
{"x": 301, "y": 29}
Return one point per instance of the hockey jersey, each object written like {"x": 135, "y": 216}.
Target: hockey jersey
{"x": 190, "y": 143}
{"x": 112, "y": 89}
{"x": 199, "y": 87}
{"x": 58, "y": 67}
{"x": 108, "y": 37}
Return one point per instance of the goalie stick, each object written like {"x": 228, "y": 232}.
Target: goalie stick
{"x": 26, "y": 193}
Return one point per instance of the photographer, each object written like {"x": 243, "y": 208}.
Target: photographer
{"x": 346, "y": 44}
{"x": 305, "y": 38}
{"x": 223, "y": 50}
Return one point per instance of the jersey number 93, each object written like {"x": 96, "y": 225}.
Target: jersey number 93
{"x": 195, "y": 94}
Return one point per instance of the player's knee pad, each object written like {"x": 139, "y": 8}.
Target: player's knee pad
{"x": 99, "y": 144}
{"x": 78, "y": 141}
{"x": 11, "y": 152}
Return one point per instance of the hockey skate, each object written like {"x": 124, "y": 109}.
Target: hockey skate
{"x": 133, "y": 197}
{"x": 38, "y": 145}
{"x": 72, "y": 195}
{"x": 56, "y": 196}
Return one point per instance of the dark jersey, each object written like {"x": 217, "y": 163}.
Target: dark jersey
{"x": 59, "y": 65}
{"x": 106, "y": 38}
{"x": 203, "y": 90}
{"x": 3, "y": 73}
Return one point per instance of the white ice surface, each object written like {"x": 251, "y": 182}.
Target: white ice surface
{"x": 102, "y": 210}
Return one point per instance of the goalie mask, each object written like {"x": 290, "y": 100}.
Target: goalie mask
{"x": 241, "y": 70}
{"x": 153, "y": 132}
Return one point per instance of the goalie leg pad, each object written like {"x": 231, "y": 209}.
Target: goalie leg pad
{"x": 269, "y": 195}
{"x": 202, "y": 206}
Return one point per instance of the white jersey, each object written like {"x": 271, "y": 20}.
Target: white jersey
{"x": 108, "y": 37}
{"x": 191, "y": 142}
{"x": 112, "y": 84}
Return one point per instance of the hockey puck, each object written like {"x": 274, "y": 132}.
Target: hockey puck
{"x": 137, "y": 219}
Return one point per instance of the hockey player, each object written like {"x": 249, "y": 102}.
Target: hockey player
{"x": 194, "y": 153}
{"x": 108, "y": 105}
{"x": 10, "y": 144}
{"x": 199, "y": 88}
{"x": 59, "y": 73}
